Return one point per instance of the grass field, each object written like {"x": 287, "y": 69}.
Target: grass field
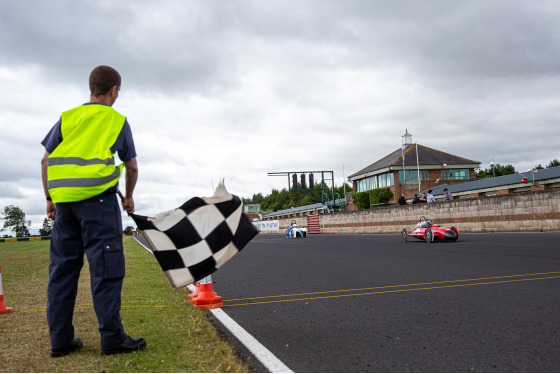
{"x": 180, "y": 337}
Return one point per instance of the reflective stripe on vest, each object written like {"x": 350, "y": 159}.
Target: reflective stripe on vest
{"x": 82, "y": 165}
{"x": 84, "y": 182}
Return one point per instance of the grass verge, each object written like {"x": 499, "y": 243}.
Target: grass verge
{"x": 180, "y": 338}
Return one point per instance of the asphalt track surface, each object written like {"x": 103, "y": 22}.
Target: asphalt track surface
{"x": 374, "y": 303}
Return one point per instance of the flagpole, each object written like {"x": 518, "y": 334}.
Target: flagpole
{"x": 418, "y": 166}
{"x": 344, "y": 182}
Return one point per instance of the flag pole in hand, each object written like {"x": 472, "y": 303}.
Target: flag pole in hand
{"x": 122, "y": 199}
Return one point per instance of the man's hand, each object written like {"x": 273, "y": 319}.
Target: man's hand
{"x": 51, "y": 209}
{"x": 128, "y": 204}
{"x": 131, "y": 176}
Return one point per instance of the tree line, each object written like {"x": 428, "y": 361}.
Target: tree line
{"x": 501, "y": 170}
{"x": 15, "y": 220}
{"x": 285, "y": 199}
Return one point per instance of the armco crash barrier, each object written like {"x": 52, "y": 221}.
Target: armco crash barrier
{"x": 3, "y": 308}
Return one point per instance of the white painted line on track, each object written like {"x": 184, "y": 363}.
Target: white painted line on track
{"x": 142, "y": 244}
{"x": 261, "y": 353}
{"x": 267, "y": 358}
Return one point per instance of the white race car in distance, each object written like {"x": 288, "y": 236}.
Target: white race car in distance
{"x": 296, "y": 232}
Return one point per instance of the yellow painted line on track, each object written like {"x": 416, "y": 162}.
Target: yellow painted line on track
{"x": 395, "y": 291}
{"x": 397, "y": 286}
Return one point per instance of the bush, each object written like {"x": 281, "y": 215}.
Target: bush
{"x": 380, "y": 195}
{"x": 361, "y": 199}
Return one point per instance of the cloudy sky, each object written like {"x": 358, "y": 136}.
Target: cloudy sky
{"x": 236, "y": 89}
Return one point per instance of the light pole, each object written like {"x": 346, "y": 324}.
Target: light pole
{"x": 492, "y": 166}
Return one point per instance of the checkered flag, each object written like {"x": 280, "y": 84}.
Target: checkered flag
{"x": 196, "y": 239}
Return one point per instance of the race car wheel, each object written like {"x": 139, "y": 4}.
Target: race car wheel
{"x": 453, "y": 228}
{"x": 405, "y": 235}
{"x": 429, "y": 235}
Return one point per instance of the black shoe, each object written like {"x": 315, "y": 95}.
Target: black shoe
{"x": 129, "y": 345}
{"x": 76, "y": 345}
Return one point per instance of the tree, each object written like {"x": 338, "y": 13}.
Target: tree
{"x": 14, "y": 219}
{"x": 128, "y": 230}
{"x": 498, "y": 171}
{"x": 361, "y": 199}
{"x": 380, "y": 195}
{"x": 46, "y": 230}
{"x": 553, "y": 163}
{"x": 285, "y": 199}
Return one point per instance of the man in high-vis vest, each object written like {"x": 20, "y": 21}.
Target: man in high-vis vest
{"x": 80, "y": 180}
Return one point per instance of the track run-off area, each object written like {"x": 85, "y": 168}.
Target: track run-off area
{"x": 489, "y": 302}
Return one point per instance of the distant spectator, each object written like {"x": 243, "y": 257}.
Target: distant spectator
{"x": 402, "y": 200}
{"x": 423, "y": 199}
{"x": 430, "y": 198}
{"x": 447, "y": 195}
{"x": 416, "y": 200}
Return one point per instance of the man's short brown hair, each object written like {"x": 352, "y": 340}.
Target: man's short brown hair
{"x": 102, "y": 78}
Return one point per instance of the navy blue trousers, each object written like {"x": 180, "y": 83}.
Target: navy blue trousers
{"x": 93, "y": 227}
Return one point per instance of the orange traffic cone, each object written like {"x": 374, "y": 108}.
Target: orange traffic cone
{"x": 207, "y": 298}
{"x": 195, "y": 293}
{"x": 3, "y": 308}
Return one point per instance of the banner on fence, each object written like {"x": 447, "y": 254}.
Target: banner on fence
{"x": 267, "y": 225}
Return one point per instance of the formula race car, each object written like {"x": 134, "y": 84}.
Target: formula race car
{"x": 429, "y": 232}
{"x": 296, "y": 232}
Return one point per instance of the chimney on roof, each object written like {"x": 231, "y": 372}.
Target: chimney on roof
{"x": 406, "y": 139}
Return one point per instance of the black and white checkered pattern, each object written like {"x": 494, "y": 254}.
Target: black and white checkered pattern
{"x": 196, "y": 239}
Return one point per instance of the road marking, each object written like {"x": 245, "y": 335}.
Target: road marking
{"x": 397, "y": 286}
{"x": 395, "y": 291}
{"x": 267, "y": 358}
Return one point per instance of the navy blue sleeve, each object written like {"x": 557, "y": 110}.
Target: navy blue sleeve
{"x": 124, "y": 145}
{"x": 53, "y": 138}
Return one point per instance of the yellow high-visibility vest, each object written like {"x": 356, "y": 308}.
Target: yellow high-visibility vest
{"x": 82, "y": 165}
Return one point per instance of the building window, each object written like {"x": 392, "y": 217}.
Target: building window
{"x": 411, "y": 176}
{"x": 455, "y": 174}
{"x": 376, "y": 181}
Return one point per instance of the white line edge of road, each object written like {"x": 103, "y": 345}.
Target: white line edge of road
{"x": 267, "y": 358}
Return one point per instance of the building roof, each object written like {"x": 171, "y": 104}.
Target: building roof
{"x": 512, "y": 180}
{"x": 426, "y": 157}
{"x": 306, "y": 208}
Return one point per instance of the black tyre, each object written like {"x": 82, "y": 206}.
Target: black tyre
{"x": 453, "y": 228}
{"x": 404, "y": 235}
{"x": 429, "y": 235}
